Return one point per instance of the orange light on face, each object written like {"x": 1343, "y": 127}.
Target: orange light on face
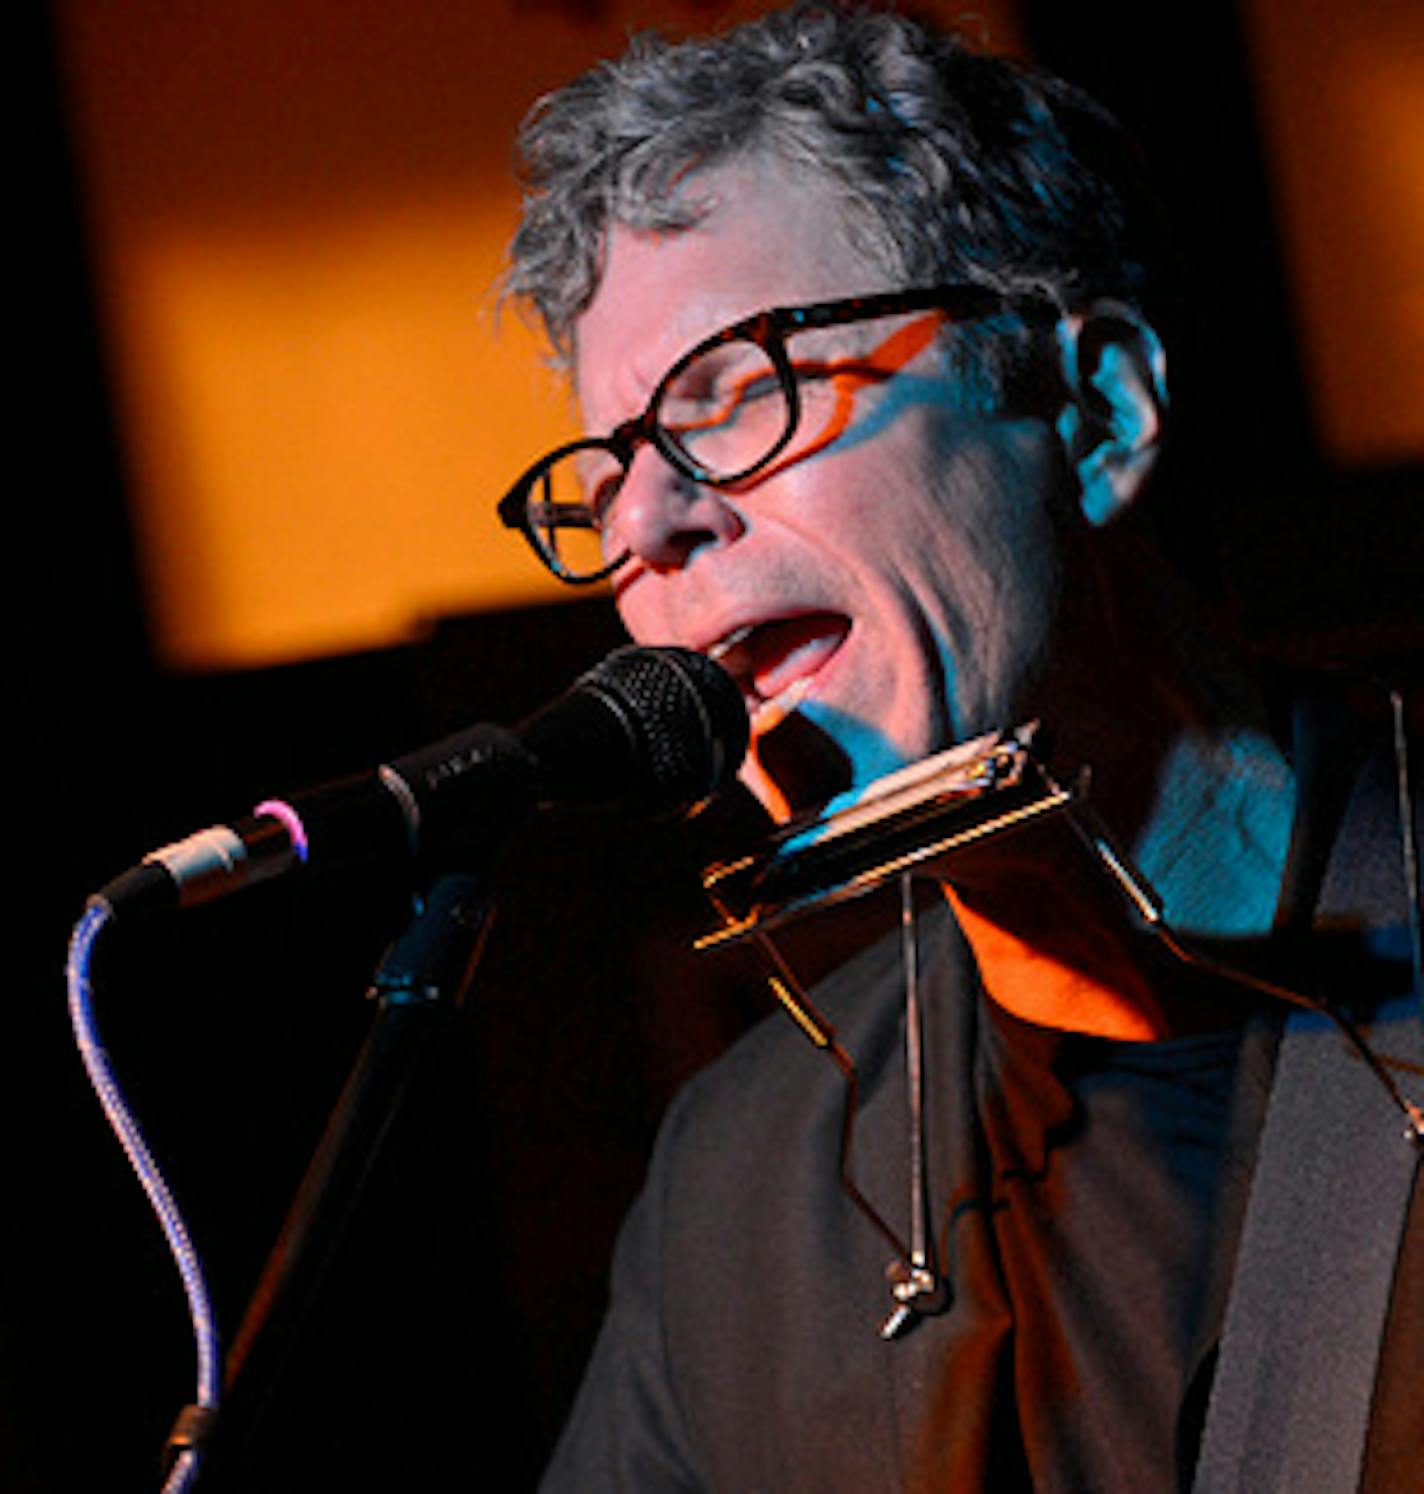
{"x": 832, "y": 392}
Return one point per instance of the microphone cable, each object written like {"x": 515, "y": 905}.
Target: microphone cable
{"x": 183, "y": 1449}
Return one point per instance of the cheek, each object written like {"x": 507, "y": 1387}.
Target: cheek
{"x": 989, "y": 569}
{"x": 998, "y": 500}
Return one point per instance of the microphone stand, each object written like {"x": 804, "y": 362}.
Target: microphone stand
{"x": 422, "y": 977}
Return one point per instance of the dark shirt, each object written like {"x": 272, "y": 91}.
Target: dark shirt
{"x": 1088, "y": 1266}
{"x": 741, "y": 1349}
{"x": 1092, "y": 1197}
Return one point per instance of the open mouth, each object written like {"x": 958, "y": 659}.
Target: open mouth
{"x": 769, "y": 659}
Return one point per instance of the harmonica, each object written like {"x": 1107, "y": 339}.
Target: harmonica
{"x": 978, "y": 789}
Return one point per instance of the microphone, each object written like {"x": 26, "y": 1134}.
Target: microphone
{"x": 649, "y": 731}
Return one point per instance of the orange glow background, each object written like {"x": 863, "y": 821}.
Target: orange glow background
{"x": 297, "y": 212}
{"x": 1341, "y": 89}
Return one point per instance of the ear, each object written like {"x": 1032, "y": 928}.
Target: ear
{"x": 1111, "y": 423}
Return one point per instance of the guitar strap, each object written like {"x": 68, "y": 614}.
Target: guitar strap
{"x": 1290, "y": 1401}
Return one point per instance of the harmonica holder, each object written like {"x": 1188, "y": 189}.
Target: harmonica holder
{"x": 917, "y": 820}
{"x": 911, "y": 820}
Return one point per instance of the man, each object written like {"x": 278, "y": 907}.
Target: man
{"x": 859, "y": 323}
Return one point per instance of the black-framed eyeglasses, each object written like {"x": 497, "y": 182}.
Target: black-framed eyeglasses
{"x": 721, "y": 414}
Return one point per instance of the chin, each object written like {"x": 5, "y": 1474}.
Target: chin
{"x": 798, "y": 766}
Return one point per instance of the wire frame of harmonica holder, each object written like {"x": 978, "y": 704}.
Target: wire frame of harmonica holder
{"x": 981, "y": 789}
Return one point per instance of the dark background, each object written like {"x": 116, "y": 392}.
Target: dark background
{"x": 450, "y": 1333}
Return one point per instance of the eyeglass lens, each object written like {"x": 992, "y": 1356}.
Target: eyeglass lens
{"x": 726, "y": 409}
{"x": 566, "y": 506}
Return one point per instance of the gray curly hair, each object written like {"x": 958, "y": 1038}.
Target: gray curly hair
{"x": 950, "y": 164}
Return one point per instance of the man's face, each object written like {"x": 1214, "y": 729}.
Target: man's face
{"x": 885, "y": 592}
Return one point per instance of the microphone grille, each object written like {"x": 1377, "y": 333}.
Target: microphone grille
{"x": 688, "y": 717}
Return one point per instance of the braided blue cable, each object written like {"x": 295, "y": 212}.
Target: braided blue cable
{"x": 125, "y": 1127}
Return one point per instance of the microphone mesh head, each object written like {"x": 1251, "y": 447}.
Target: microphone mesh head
{"x": 688, "y": 717}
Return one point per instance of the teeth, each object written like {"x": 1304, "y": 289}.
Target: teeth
{"x": 735, "y": 655}
{"x": 771, "y": 713}
{"x": 724, "y": 646}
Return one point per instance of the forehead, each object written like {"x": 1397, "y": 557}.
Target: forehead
{"x": 765, "y": 236}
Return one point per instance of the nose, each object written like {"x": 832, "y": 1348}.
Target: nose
{"x": 664, "y": 518}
